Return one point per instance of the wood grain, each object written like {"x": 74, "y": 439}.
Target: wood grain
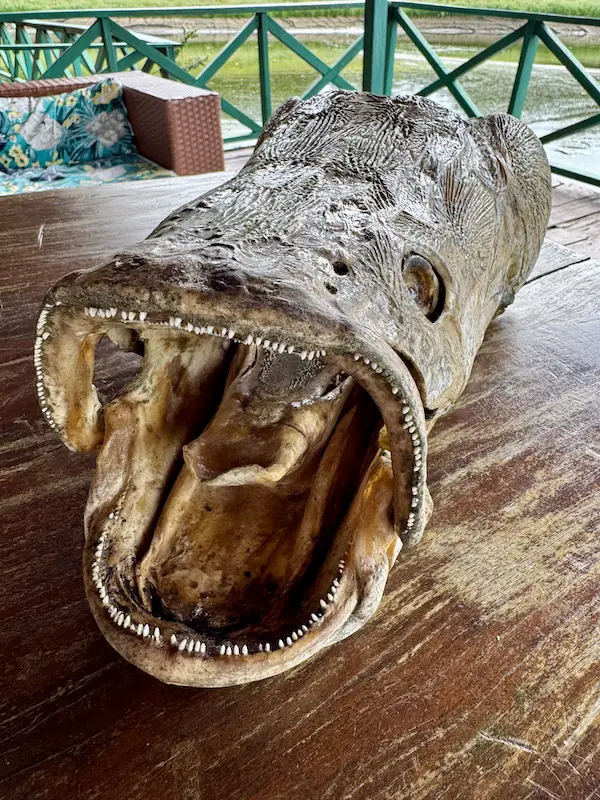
{"x": 575, "y": 219}
{"x": 478, "y": 678}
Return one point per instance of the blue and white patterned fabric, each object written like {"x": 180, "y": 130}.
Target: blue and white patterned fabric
{"x": 71, "y": 128}
{"x": 59, "y": 176}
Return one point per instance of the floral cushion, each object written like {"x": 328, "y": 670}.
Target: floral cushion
{"x": 71, "y": 128}
{"x": 106, "y": 170}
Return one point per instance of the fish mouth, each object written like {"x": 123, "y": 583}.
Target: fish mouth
{"x": 254, "y": 484}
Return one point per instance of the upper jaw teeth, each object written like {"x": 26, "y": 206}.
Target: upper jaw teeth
{"x": 201, "y": 330}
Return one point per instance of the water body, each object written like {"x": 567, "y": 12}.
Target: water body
{"x": 554, "y": 98}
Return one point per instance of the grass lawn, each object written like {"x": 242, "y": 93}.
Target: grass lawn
{"x": 588, "y": 8}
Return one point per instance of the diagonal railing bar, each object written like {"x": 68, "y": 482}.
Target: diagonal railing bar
{"x": 577, "y": 175}
{"x": 521, "y": 83}
{"x": 107, "y": 38}
{"x": 20, "y": 62}
{"x": 66, "y": 59}
{"x": 171, "y": 68}
{"x": 569, "y": 130}
{"x": 22, "y": 37}
{"x": 56, "y": 52}
{"x": 225, "y": 54}
{"x": 148, "y": 50}
{"x": 434, "y": 61}
{"x": 100, "y": 59}
{"x": 37, "y": 56}
{"x": 305, "y": 54}
{"x": 44, "y": 58}
{"x": 474, "y": 61}
{"x": 3, "y": 55}
{"x": 128, "y": 61}
{"x": 10, "y": 54}
{"x": 87, "y": 61}
{"x": 238, "y": 114}
{"x": 68, "y": 39}
{"x": 336, "y": 68}
{"x": 568, "y": 60}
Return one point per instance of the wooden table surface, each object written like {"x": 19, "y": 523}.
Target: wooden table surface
{"x": 479, "y": 676}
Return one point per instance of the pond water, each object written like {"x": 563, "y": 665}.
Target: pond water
{"x": 554, "y": 99}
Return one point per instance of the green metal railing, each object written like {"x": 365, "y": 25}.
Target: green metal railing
{"x": 534, "y": 28}
{"x": 45, "y": 48}
{"x": 29, "y": 49}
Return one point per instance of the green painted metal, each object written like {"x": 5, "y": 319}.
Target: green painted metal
{"x": 230, "y": 48}
{"x": 526, "y": 59}
{"x": 435, "y": 62}
{"x": 569, "y": 130}
{"x": 100, "y": 64}
{"x": 75, "y": 50}
{"x": 578, "y": 175}
{"x": 336, "y": 69}
{"x": 390, "y": 51}
{"x": 564, "y": 55}
{"x": 263, "y": 67}
{"x": 128, "y": 61}
{"x": 151, "y": 52}
{"x": 244, "y": 10}
{"x": 185, "y": 11}
{"x": 376, "y": 19}
{"x": 477, "y": 59}
{"x": 10, "y": 56}
{"x": 107, "y": 38}
{"x": 305, "y": 54}
{"x": 504, "y": 13}
{"x": 22, "y": 37}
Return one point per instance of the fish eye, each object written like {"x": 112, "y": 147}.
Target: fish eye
{"x": 424, "y": 285}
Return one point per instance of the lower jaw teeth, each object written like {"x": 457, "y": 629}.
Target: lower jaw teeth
{"x": 189, "y": 645}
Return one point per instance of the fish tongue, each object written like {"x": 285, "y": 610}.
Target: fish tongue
{"x": 226, "y": 546}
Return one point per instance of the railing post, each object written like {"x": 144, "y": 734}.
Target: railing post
{"x": 521, "y": 84}
{"x": 376, "y": 21}
{"x": 263, "y": 66}
{"x": 390, "y": 50}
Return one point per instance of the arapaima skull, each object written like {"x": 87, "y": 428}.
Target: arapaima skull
{"x": 302, "y": 327}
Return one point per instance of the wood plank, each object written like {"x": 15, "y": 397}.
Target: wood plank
{"x": 478, "y": 677}
{"x": 572, "y": 194}
{"x": 575, "y": 218}
{"x": 582, "y": 234}
{"x": 553, "y": 257}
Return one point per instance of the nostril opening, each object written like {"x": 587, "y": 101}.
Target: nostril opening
{"x": 340, "y": 268}
{"x": 331, "y": 288}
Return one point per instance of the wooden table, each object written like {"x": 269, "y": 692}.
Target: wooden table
{"x": 479, "y": 677}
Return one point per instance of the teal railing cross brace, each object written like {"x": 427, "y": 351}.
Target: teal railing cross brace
{"x": 48, "y": 47}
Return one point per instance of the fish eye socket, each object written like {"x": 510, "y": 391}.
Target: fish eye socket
{"x": 424, "y": 285}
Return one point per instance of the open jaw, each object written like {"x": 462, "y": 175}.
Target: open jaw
{"x": 252, "y": 489}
